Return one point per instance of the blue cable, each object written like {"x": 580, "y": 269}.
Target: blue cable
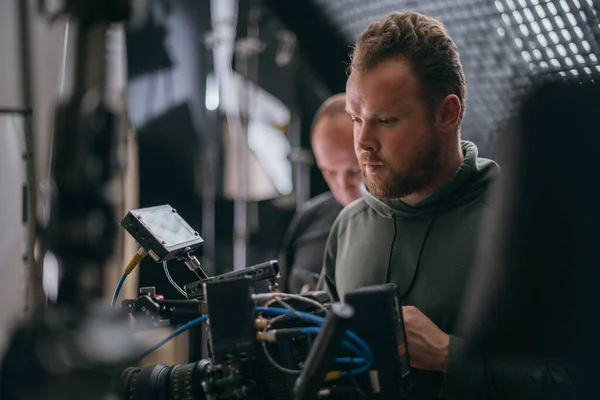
{"x": 367, "y": 366}
{"x": 278, "y": 311}
{"x": 274, "y": 311}
{"x": 345, "y": 343}
{"x": 117, "y": 290}
{"x": 179, "y": 330}
{"x": 319, "y": 321}
{"x": 346, "y": 360}
{"x": 350, "y": 360}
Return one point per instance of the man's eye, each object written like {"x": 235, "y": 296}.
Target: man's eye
{"x": 355, "y": 120}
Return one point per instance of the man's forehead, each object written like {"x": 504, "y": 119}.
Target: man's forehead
{"x": 333, "y": 126}
{"x": 332, "y": 157}
{"x": 334, "y": 145}
{"x": 382, "y": 86}
{"x": 381, "y": 103}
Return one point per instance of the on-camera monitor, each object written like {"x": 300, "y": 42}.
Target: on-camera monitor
{"x": 167, "y": 226}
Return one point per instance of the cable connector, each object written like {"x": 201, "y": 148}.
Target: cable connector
{"x": 268, "y": 336}
{"x": 135, "y": 260}
{"x": 194, "y": 265}
{"x": 277, "y": 334}
{"x": 261, "y": 323}
{"x": 333, "y": 375}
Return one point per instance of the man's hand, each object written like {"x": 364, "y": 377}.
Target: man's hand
{"x": 427, "y": 344}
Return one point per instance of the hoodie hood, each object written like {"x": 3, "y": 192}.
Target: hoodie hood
{"x": 471, "y": 179}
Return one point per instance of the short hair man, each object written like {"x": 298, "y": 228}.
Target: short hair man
{"x": 424, "y": 193}
{"x": 331, "y": 139}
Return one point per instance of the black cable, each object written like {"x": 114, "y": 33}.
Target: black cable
{"x": 356, "y": 385}
{"x": 414, "y": 278}
{"x": 389, "y": 266}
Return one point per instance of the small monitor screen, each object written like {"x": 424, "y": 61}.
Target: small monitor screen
{"x": 167, "y": 226}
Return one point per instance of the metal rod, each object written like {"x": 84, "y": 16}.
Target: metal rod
{"x": 15, "y": 111}
{"x": 245, "y": 55}
{"x": 36, "y": 298}
{"x": 209, "y": 151}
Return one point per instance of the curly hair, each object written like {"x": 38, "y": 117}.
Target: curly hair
{"x": 425, "y": 43}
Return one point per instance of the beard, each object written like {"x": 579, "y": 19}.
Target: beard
{"x": 396, "y": 182}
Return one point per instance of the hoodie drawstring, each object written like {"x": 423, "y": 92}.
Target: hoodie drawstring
{"x": 389, "y": 267}
{"x": 387, "y": 273}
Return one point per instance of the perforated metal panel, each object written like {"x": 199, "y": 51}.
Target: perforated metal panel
{"x": 502, "y": 44}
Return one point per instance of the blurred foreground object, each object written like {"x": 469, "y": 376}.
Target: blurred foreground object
{"x": 13, "y": 182}
{"x": 535, "y": 291}
{"x": 74, "y": 349}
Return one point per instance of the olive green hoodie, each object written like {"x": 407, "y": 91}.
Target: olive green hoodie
{"x": 427, "y": 250}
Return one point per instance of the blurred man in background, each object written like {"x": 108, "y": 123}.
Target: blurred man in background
{"x": 417, "y": 221}
{"x": 331, "y": 139}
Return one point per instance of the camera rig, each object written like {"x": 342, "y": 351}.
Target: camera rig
{"x": 265, "y": 345}
{"x": 270, "y": 351}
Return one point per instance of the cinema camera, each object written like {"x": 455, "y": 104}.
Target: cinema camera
{"x": 267, "y": 345}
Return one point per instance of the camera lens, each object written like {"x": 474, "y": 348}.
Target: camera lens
{"x": 161, "y": 382}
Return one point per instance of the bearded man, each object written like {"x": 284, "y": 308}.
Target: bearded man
{"x": 422, "y": 199}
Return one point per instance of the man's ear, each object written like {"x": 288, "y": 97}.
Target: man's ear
{"x": 447, "y": 114}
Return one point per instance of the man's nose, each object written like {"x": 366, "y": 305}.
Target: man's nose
{"x": 365, "y": 138}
